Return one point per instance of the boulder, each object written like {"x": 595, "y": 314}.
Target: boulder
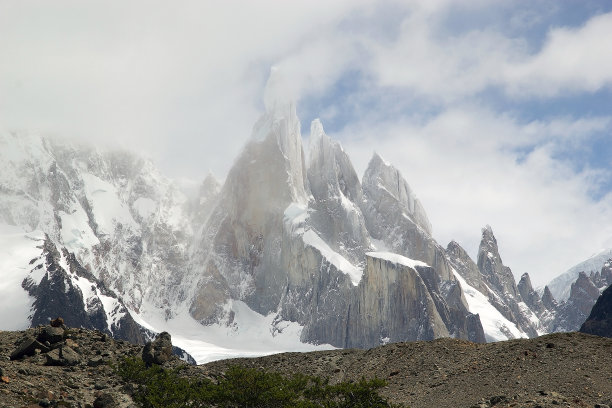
{"x": 158, "y": 351}
{"x": 51, "y": 334}
{"x": 28, "y": 347}
{"x": 63, "y": 356}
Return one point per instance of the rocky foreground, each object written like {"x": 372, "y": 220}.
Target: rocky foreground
{"x": 48, "y": 366}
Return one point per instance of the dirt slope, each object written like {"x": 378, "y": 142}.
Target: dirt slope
{"x": 564, "y": 369}
{"x": 569, "y": 369}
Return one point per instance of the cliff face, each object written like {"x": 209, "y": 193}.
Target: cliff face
{"x": 394, "y": 216}
{"x": 393, "y": 303}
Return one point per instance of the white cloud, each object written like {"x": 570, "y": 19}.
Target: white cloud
{"x": 447, "y": 67}
{"x": 572, "y": 60}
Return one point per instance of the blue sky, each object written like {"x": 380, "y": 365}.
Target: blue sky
{"x": 496, "y": 112}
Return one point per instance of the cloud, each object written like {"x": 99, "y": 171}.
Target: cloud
{"x": 571, "y": 60}
{"x": 454, "y": 65}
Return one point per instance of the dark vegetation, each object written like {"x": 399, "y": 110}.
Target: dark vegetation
{"x": 240, "y": 387}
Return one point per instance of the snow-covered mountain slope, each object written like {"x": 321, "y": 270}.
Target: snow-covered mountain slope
{"x": 98, "y": 237}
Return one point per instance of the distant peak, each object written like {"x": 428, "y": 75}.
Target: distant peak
{"x": 377, "y": 159}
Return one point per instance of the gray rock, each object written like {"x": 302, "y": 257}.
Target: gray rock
{"x": 54, "y": 358}
{"x": 159, "y": 350}
{"x": 51, "y": 334}
{"x": 63, "y": 356}
{"x": 28, "y": 347}
{"x": 95, "y": 362}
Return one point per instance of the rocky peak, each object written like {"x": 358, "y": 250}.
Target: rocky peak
{"x": 330, "y": 171}
{"x": 335, "y": 212}
{"x": 381, "y": 178}
{"x": 275, "y": 150}
{"x": 529, "y": 295}
{"x": 491, "y": 266}
{"x": 206, "y": 199}
{"x": 548, "y": 300}
{"x": 524, "y": 285}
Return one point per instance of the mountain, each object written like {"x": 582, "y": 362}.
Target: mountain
{"x": 317, "y": 247}
{"x": 295, "y": 254}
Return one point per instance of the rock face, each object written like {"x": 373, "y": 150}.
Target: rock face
{"x": 560, "y": 287}
{"x": 599, "y": 321}
{"x": 394, "y": 216}
{"x": 573, "y": 312}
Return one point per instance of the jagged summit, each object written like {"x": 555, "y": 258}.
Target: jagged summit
{"x": 381, "y": 175}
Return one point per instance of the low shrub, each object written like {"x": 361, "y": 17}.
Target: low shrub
{"x": 243, "y": 387}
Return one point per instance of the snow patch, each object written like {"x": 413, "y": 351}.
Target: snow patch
{"x": 341, "y": 263}
{"x": 396, "y": 259}
{"x": 496, "y": 326}
{"x": 295, "y": 217}
{"x": 106, "y": 204}
{"x": 76, "y": 232}
{"x": 249, "y": 335}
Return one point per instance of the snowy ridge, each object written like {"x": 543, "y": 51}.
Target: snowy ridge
{"x": 560, "y": 286}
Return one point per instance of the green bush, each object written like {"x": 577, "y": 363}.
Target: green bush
{"x": 245, "y": 388}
